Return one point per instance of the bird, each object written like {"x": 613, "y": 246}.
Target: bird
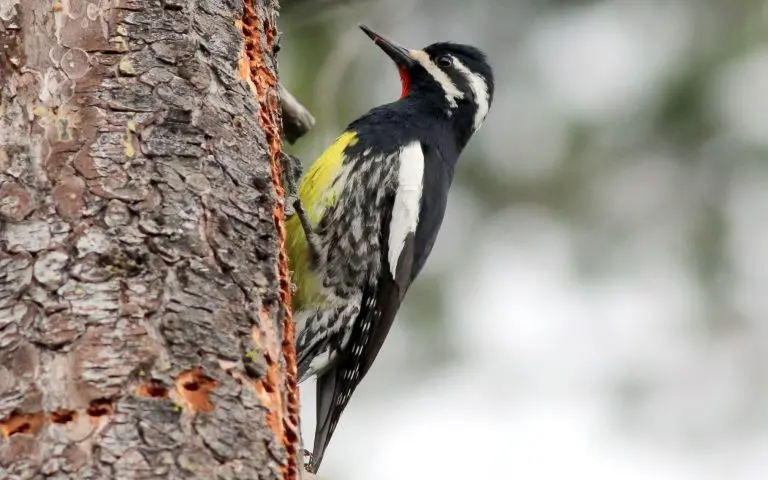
{"x": 368, "y": 213}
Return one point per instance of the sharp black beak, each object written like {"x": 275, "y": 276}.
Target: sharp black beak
{"x": 397, "y": 53}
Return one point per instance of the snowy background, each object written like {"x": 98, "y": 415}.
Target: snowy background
{"x": 597, "y": 302}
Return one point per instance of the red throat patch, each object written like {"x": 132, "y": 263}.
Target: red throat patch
{"x": 405, "y": 80}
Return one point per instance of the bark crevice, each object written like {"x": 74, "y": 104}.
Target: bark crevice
{"x": 142, "y": 268}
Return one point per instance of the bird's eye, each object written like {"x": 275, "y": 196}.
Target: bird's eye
{"x": 445, "y": 61}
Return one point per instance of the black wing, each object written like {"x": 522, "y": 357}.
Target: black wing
{"x": 390, "y": 291}
{"x": 381, "y": 301}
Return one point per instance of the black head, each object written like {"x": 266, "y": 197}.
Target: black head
{"x": 455, "y": 77}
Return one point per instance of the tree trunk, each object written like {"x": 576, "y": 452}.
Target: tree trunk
{"x": 142, "y": 269}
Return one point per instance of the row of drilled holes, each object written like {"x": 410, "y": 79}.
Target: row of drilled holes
{"x": 193, "y": 386}
{"x": 20, "y": 422}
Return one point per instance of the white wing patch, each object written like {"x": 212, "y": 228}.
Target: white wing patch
{"x": 320, "y": 363}
{"x": 405, "y": 212}
{"x": 452, "y": 93}
{"x": 479, "y": 88}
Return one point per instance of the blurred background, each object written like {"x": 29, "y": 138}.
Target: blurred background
{"x": 596, "y": 305}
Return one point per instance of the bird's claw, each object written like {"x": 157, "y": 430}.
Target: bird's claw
{"x": 291, "y": 172}
{"x": 308, "y": 459}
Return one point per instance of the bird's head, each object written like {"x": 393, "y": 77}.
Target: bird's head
{"x": 455, "y": 77}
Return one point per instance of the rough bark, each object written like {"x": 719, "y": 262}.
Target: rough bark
{"x": 142, "y": 274}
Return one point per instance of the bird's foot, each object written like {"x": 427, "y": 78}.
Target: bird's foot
{"x": 290, "y": 167}
{"x": 314, "y": 250}
{"x": 308, "y": 459}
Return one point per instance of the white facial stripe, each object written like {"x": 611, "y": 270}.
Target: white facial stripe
{"x": 479, "y": 88}
{"x": 405, "y": 212}
{"x": 451, "y": 92}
